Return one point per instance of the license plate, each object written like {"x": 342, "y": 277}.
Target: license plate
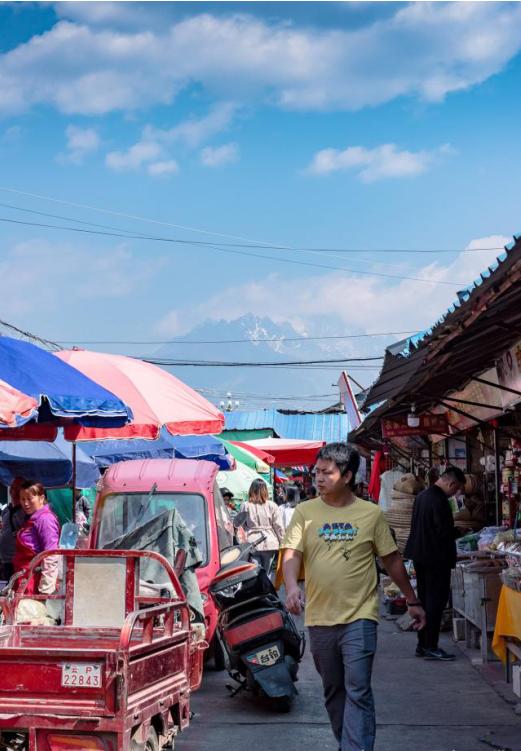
{"x": 81, "y": 674}
{"x": 266, "y": 657}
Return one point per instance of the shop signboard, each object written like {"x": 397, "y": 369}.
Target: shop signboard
{"x": 348, "y": 400}
{"x": 428, "y": 424}
{"x": 509, "y": 374}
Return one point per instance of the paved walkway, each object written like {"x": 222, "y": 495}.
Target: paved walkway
{"x": 421, "y": 706}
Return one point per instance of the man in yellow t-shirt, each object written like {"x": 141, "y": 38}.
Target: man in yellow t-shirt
{"x": 336, "y": 537}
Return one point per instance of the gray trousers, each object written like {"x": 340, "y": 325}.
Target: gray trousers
{"x": 343, "y": 656}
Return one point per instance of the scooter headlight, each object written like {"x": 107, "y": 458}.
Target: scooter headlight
{"x": 231, "y": 591}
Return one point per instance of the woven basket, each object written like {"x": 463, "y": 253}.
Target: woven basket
{"x": 405, "y": 507}
{"x": 408, "y": 484}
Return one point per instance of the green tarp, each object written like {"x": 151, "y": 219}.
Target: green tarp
{"x": 246, "y": 435}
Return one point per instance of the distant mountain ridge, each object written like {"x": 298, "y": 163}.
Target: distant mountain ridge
{"x": 254, "y": 339}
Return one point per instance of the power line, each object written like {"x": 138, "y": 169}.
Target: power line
{"x": 29, "y": 335}
{"x": 248, "y": 254}
{"x": 276, "y": 339}
{"x": 267, "y": 246}
{"x": 135, "y": 217}
{"x": 222, "y": 364}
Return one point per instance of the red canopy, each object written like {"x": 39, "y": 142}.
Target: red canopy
{"x": 259, "y": 453}
{"x": 288, "y": 452}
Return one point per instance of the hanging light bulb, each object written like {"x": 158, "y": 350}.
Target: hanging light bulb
{"x": 413, "y": 420}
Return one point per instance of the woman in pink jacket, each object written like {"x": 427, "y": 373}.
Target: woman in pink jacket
{"x": 41, "y": 531}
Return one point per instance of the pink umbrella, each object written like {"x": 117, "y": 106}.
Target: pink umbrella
{"x": 156, "y": 398}
{"x": 15, "y": 408}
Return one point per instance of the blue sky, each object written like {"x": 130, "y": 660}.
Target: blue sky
{"x": 352, "y": 125}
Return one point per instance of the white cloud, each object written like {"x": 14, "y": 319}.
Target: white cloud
{"x": 424, "y": 50}
{"x": 133, "y": 158}
{"x": 80, "y": 143}
{"x": 219, "y": 155}
{"x": 12, "y": 134}
{"x": 381, "y": 162}
{"x": 196, "y": 130}
{"x": 119, "y": 274}
{"x": 354, "y": 302}
{"x": 160, "y": 169}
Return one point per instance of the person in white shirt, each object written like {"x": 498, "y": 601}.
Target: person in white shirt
{"x": 288, "y": 507}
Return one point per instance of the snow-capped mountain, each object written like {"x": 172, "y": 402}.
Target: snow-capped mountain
{"x": 254, "y": 339}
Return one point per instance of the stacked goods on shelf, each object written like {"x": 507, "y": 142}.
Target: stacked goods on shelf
{"x": 402, "y": 503}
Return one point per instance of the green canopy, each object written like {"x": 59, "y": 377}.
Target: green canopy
{"x": 60, "y": 500}
{"x": 244, "y": 456}
{"x": 238, "y": 481}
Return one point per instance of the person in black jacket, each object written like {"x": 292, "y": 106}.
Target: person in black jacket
{"x": 432, "y": 548}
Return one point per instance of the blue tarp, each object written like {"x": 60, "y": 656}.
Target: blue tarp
{"x": 166, "y": 446}
{"x": 48, "y": 463}
{"x": 69, "y": 393}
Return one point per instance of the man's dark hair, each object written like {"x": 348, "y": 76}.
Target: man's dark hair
{"x": 346, "y": 458}
{"x": 455, "y": 474}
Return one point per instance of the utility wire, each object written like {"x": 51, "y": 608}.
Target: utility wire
{"x": 276, "y": 339}
{"x": 29, "y": 335}
{"x": 249, "y": 254}
{"x": 266, "y": 246}
{"x": 221, "y": 364}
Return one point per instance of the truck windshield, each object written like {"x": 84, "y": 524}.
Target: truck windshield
{"x": 121, "y": 513}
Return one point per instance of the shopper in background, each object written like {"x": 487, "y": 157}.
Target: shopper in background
{"x": 432, "y": 548}
{"x": 312, "y": 492}
{"x": 13, "y": 518}
{"x": 228, "y": 499}
{"x": 336, "y": 537}
{"x": 262, "y": 518}
{"x": 288, "y": 507}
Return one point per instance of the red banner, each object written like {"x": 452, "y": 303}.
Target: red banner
{"x": 428, "y": 424}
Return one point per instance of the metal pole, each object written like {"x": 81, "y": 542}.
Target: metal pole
{"x": 73, "y": 508}
{"x": 497, "y": 477}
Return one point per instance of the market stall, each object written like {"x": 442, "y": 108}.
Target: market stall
{"x": 289, "y": 452}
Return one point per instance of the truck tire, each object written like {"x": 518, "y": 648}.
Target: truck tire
{"x": 219, "y": 657}
{"x": 151, "y": 743}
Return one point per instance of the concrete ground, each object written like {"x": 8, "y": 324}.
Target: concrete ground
{"x": 421, "y": 706}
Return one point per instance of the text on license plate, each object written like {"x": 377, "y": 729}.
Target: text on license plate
{"x": 266, "y": 657}
{"x": 76, "y": 674}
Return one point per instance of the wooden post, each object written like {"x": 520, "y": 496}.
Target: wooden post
{"x": 73, "y": 508}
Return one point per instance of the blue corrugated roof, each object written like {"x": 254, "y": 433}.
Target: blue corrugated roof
{"x": 310, "y": 426}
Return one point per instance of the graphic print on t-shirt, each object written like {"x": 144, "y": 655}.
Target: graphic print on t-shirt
{"x": 343, "y": 532}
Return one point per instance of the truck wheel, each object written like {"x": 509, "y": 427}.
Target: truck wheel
{"x": 151, "y": 743}
{"x": 219, "y": 657}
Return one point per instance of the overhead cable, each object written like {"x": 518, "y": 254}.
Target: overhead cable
{"x": 248, "y": 254}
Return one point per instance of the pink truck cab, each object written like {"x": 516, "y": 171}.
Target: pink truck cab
{"x": 187, "y": 485}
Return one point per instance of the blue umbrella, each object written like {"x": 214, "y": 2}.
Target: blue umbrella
{"x": 48, "y": 463}
{"x": 60, "y": 390}
{"x": 166, "y": 446}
